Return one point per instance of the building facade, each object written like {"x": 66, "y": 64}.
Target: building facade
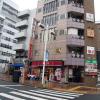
{"x": 97, "y": 30}
{"x": 73, "y": 46}
{"x": 23, "y": 37}
{"x": 8, "y": 19}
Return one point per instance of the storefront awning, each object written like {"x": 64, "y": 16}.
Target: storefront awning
{"x": 48, "y": 63}
{"x": 17, "y": 65}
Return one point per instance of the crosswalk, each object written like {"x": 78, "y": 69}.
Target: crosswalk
{"x": 38, "y": 94}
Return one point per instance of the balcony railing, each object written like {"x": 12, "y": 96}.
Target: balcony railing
{"x": 22, "y": 23}
{"x": 75, "y": 60}
{"x": 24, "y": 13}
{"x": 75, "y": 7}
{"x": 75, "y": 40}
{"x": 19, "y": 47}
{"x": 77, "y": 23}
{"x": 21, "y": 34}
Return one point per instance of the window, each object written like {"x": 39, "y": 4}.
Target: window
{"x": 62, "y": 16}
{"x": 62, "y": 2}
{"x": 50, "y": 7}
{"x": 36, "y": 36}
{"x": 6, "y": 46}
{"x": 39, "y": 10}
{"x": 61, "y": 32}
{"x": 36, "y": 52}
{"x": 8, "y": 31}
{"x": 50, "y": 19}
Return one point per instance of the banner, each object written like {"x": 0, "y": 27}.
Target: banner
{"x": 30, "y": 52}
{"x": 90, "y": 50}
{"x": 91, "y": 67}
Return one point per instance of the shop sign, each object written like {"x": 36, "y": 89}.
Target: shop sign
{"x": 70, "y": 73}
{"x": 91, "y": 67}
{"x": 48, "y": 63}
{"x": 46, "y": 55}
{"x": 90, "y": 50}
{"x": 58, "y": 74}
{"x": 90, "y": 17}
{"x": 98, "y": 79}
{"x": 90, "y": 33}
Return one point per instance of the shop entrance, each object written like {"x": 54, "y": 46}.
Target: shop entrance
{"x": 77, "y": 74}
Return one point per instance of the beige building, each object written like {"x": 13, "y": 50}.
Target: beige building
{"x": 72, "y": 51}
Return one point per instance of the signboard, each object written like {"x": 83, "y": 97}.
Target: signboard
{"x": 90, "y": 33}
{"x": 48, "y": 63}
{"x": 91, "y": 67}
{"x": 90, "y": 17}
{"x": 98, "y": 80}
{"x": 46, "y": 55}
{"x": 90, "y": 50}
{"x": 58, "y": 74}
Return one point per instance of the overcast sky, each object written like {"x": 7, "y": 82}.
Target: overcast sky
{"x": 30, "y": 4}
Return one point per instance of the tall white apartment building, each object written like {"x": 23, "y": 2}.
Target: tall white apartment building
{"x": 8, "y": 19}
{"x": 25, "y": 26}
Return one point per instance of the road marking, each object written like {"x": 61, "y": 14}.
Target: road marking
{"x": 27, "y": 96}
{"x": 9, "y": 85}
{"x": 10, "y": 96}
{"x": 54, "y": 94}
{"x": 45, "y": 96}
{"x": 74, "y": 88}
{"x": 59, "y": 92}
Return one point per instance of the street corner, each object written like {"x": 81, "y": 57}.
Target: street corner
{"x": 85, "y": 90}
{"x": 77, "y": 90}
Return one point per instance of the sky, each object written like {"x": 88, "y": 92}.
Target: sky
{"x": 30, "y": 4}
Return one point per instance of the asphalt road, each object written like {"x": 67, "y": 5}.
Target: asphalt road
{"x": 14, "y": 91}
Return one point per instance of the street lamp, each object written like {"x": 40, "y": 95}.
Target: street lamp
{"x": 45, "y": 48}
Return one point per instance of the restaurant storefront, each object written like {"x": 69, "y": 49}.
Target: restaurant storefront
{"x": 54, "y": 70}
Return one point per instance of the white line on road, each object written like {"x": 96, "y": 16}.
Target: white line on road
{"x": 54, "y": 94}
{"x": 59, "y": 92}
{"x": 43, "y": 95}
{"x": 27, "y": 96}
{"x": 10, "y": 96}
{"x": 9, "y": 85}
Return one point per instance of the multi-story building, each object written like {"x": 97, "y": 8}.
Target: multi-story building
{"x": 72, "y": 55}
{"x": 24, "y": 26}
{"x": 8, "y": 19}
{"x": 97, "y": 28}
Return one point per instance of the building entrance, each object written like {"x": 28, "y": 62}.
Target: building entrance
{"x": 77, "y": 74}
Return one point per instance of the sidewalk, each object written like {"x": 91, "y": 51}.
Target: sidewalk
{"x": 72, "y": 87}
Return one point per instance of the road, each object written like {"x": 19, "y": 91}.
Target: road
{"x": 13, "y": 91}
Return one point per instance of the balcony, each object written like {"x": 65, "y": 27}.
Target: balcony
{"x": 19, "y": 60}
{"x": 1, "y": 31}
{"x": 23, "y": 13}
{"x": 74, "y": 61}
{"x": 75, "y": 8}
{"x": 19, "y": 47}
{"x": 23, "y": 23}
{"x": 21, "y": 34}
{"x": 75, "y": 40}
{"x": 1, "y": 23}
{"x": 75, "y": 23}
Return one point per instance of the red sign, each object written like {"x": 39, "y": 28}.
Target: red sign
{"x": 48, "y": 63}
{"x": 91, "y": 73}
{"x": 30, "y": 52}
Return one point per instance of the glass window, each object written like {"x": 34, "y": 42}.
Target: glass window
{"x": 62, "y": 2}
{"x": 62, "y": 16}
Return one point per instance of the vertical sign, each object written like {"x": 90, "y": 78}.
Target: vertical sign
{"x": 46, "y": 55}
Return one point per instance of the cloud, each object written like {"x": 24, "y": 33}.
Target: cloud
{"x": 26, "y": 4}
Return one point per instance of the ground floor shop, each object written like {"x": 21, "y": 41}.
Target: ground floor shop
{"x": 58, "y": 72}
{"x": 55, "y": 71}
